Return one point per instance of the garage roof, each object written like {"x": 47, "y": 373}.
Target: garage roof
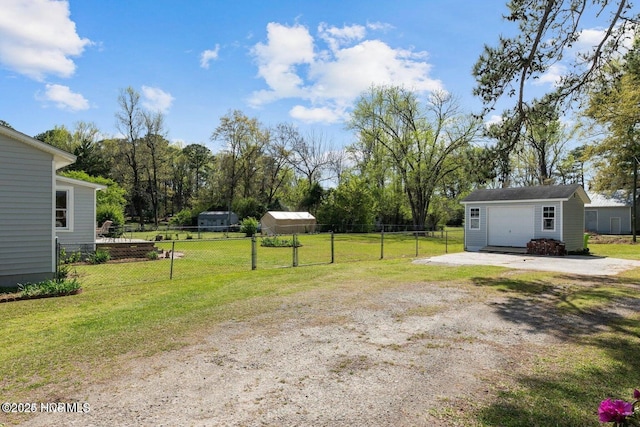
{"x": 542, "y": 192}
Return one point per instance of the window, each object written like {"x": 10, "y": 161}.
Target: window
{"x": 474, "y": 219}
{"x": 64, "y": 209}
{"x": 61, "y": 209}
{"x": 549, "y": 218}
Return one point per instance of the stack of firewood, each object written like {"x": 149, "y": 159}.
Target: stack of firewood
{"x": 546, "y": 247}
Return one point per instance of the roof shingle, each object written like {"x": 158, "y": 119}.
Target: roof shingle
{"x": 542, "y": 192}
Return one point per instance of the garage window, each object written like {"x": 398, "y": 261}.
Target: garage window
{"x": 549, "y": 218}
{"x": 474, "y": 219}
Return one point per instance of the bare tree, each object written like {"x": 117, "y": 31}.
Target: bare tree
{"x": 156, "y": 145}
{"x": 311, "y": 157}
{"x": 130, "y": 123}
{"x": 419, "y": 142}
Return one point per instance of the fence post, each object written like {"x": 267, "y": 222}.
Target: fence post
{"x": 332, "y": 248}
{"x": 295, "y": 250}
{"x": 416, "y": 234}
{"x": 446, "y": 242}
{"x": 254, "y": 253}
{"x": 173, "y": 251}
{"x": 382, "y": 244}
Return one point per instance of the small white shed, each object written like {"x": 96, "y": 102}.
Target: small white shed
{"x": 280, "y": 222}
{"x": 511, "y": 217}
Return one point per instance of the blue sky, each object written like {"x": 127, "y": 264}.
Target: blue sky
{"x": 300, "y": 62}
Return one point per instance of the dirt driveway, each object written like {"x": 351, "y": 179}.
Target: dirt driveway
{"x": 582, "y": 265}
{"x": 409, "y": 355}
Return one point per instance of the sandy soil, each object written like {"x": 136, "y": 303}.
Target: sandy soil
{"x": 394, "y": 357}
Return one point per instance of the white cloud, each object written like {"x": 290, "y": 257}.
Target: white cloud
{"x": 331, "y": 79}
{"x": 64, "y": 98}
{"x": 286, "y": 48}
{"x": 314, "y": 115}
{"x": 156, "y": 99}
{"x": 552, "y": 75}
{"x": 208, "y": 56}
{"x": 336, "y": 37}
{"x": 493, "y": 120}
{"x": 379, "y": 26}
{"x": 37, "y": 37}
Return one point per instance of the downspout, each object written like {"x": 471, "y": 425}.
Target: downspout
{"x": 52, "y": 217}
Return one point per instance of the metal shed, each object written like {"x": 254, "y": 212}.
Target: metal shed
{"x": 609, "y": 213}
{"x": 279, "y": 222}
{"x": 216, "y": 220}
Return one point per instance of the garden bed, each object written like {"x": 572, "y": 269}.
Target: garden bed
{"x": 16, "y": 296}
{"x": 127, "y": 250}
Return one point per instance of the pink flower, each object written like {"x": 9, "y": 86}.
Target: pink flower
{"x": 636, "y": 394}
{"x": 614, "y": 410}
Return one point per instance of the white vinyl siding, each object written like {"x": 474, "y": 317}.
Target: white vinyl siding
{"x": 26, "y": 213}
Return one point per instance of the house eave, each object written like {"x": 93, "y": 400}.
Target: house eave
{"x": 61, "y": 158}
{"x": 80, "y": 182}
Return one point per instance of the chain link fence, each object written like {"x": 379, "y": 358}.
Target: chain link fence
{"x": 181, "y": 255}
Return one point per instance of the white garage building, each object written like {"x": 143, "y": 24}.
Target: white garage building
{"x": 511, "y": 217}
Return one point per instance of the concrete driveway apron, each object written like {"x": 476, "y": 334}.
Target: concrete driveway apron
{"x": 581, "y": 265}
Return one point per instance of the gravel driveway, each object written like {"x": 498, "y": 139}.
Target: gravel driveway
{"x": 410, "y": 355}
{"x": 581, "y": 265}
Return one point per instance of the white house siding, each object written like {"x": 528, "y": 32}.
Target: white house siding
{"x": 84, "y": 215}
{"x": 474, "y": 240}
{"x": 26, "y": 213}
{"x": 573, "y": 224}
{"x": 604, "y": 215}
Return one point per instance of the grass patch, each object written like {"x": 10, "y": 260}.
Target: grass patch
{"x": 57, "y": 344}
{"x": 625, "y": 250}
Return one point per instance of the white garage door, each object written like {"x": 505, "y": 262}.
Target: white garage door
{"x": 510, "y": 226}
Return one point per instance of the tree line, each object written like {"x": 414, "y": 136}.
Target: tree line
{"x": 412, "y": 157}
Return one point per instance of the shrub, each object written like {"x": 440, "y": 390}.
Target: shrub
{"x": 152, "y": 255}
{"x": 249, "y": 226}
{"x": 48, "y": 287}
{"x": 69, "y": 258}
{"x": 63, "y": 272}
{"x": 182, "y": 218}
{"x": 100, "y": 256}
{"x": 276, "y": 242}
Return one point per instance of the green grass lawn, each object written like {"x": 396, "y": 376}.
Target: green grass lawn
{"x": 51, "y": 346}
{"x": 627, "y": 251}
